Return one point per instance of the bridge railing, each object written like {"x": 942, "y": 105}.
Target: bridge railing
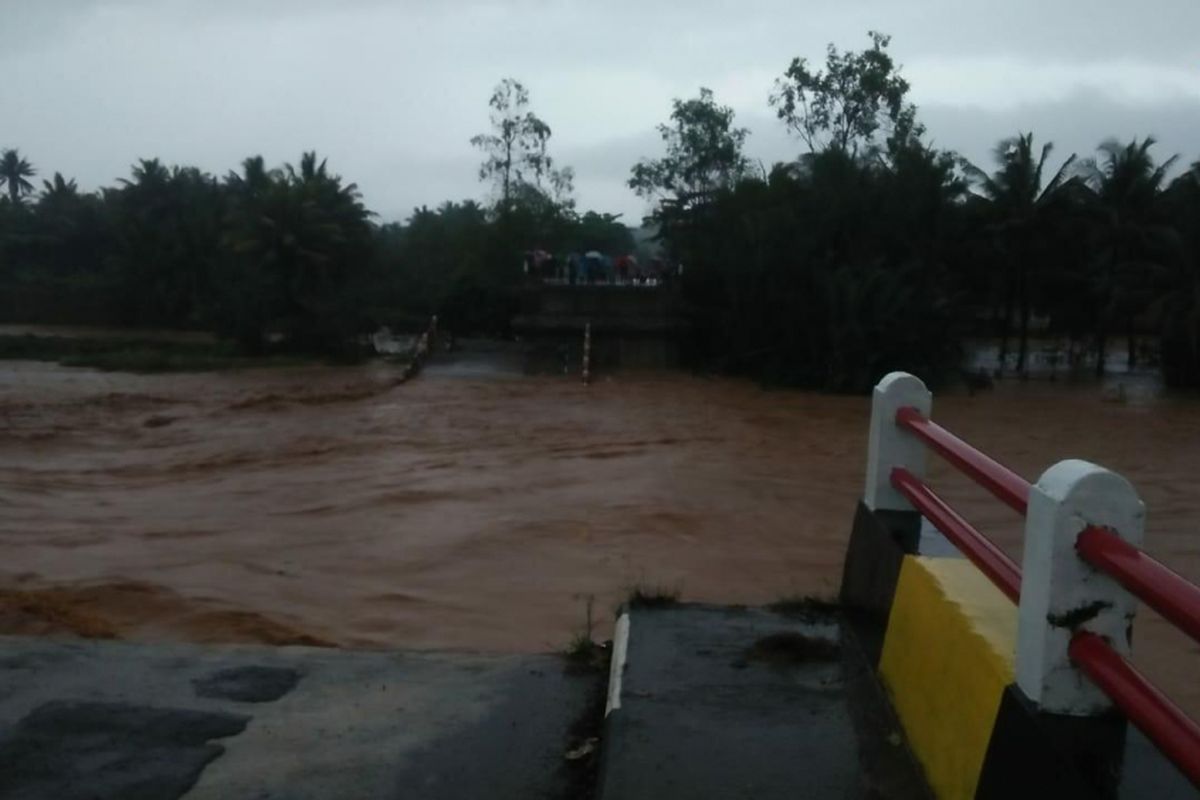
{"x": 1081, "y": 575}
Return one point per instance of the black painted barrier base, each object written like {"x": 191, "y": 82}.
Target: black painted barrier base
{"x": 1034, "y": 754}
{"x": 1030, "y": 754}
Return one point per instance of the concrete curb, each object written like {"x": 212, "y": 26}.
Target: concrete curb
{"x": 617, "y": 664}
{"x": 714, "y": 702}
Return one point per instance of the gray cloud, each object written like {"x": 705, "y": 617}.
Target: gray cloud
{"x": 392, "y": 92}
{"x": 1076, "y": 124}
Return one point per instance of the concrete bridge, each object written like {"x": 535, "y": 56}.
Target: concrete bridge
{"x": 632, "y": 325}
{"x": 943, "y": 670}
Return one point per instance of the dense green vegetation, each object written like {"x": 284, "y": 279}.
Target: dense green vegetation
{"x": 288, "y": 259}
{"x": 872, "y": 250}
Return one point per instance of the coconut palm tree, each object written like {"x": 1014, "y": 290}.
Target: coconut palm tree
{"x": 165, "y": 224}
{"x": 59, "y": 189}
{"x": 255, "y": 178}
{"x": 1021, "y": 206}
{"x": 14, "y": 171}
{"x": 1132, "y": 237}
{"x": 310, "y": 171}
{"x": 149, "y": 175}
{"x": 297, "y": 241}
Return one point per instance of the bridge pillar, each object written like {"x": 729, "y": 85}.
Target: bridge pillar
{"x": 886, "y": 526}
{"x": 1061, "y": 594}
{"x": 889, "y": 446}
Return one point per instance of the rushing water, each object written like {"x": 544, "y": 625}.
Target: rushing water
{"x": 476, "y": 510}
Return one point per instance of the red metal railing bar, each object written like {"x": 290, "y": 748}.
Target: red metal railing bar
{"x": 1177, "y": 599}
{"x": 1008, "y": 487}
{"x": 1177, "y": 736}
{"x": 1168, "y": 593}
{"x": 990, "y": 559}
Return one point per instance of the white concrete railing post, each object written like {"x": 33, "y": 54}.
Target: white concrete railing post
{"x": 1061, "y": 593}
{"x": 888, "y": 446}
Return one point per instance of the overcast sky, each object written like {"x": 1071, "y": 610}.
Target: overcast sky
{"x": 392, "y": 91}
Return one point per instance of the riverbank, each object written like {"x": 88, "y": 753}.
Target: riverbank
{"x": 136, "y": 353}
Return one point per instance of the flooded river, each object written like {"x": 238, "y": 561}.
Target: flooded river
{"x": 469, "y": 510}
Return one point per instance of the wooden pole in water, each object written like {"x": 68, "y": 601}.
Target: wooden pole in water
{"x": 587, "y": 353}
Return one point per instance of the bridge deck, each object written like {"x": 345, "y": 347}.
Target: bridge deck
{"x": 726, "y": 702}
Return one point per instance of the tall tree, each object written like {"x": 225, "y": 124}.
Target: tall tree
{"x": 704, "y": 155}
{"x": 1021, "y": 205}
{"x": 14, "y": 173}
{"x": 846, "y": 105}
{"x": 516, "y": 155}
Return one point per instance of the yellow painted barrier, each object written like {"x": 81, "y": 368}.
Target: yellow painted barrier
{"x": 947, "y": 657}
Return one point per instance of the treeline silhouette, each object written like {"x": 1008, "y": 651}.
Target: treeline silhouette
{"x": 284, "y": 258}
{"x": 830, "y": 271}
{"x": 873, "y": 250}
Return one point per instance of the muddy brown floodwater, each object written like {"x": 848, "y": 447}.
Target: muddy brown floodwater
{"x": 463, "y": 510}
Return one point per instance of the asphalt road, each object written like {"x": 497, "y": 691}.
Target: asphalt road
{"x": 108, "y": 720}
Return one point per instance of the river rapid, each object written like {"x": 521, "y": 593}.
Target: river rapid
{"x": 481, "y": 510}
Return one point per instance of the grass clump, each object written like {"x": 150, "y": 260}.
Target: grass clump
{"x": 584, "y": 653}
{"x": 652, "y": 597}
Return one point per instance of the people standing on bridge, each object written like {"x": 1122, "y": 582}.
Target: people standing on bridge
{"x": 540, "y": 257}
{"x": 632, "y": 267}
{"x": 664, "y": 271}
{"x": 593, "y": 263}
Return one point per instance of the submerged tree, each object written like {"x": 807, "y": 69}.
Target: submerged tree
{"x": 14, "y": 174}
{"x": 1181, "y": 297}
{"x": 1021, "y": 205}
{"x": 1132, "y": 239}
